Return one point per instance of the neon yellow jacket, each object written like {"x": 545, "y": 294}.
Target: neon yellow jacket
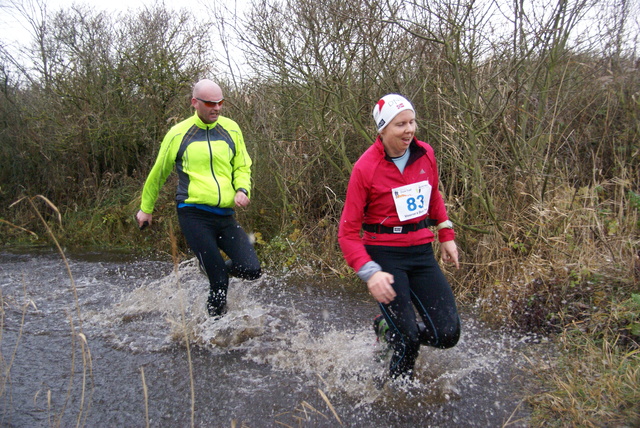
{"x": 211, "y": 160}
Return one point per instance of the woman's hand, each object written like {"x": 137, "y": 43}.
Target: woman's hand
{"x": 380, "y": 287}
{"x": 449, "y": 252}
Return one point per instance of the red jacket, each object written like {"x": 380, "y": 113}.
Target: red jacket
{"x": 369, "y": 200}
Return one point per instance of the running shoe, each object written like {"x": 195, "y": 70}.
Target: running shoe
{"x": 381, "y": 328}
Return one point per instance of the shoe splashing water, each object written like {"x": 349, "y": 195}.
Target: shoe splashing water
{"x": 381, "y": 329}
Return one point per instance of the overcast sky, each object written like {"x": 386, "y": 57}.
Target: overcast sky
{"x": 12, "y": 31}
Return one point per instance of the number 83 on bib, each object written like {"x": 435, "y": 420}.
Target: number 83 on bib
{"x": 412, "y": 200}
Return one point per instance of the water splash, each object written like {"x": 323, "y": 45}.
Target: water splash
{"x": 274, "y": 327}
{"x": 282, "y": 340}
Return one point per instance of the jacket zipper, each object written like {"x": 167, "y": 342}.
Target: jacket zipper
{"x": 213, "y": 174}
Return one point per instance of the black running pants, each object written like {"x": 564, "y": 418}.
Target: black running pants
{"x": 420, "y": 287}
{"x": 206, "y": 234}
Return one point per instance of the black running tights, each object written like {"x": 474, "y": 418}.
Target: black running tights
{"x": 206, "y": 234}
{"x": 420, "y": 286}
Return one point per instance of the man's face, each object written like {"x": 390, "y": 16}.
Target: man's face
{"x": 208, "y": 105}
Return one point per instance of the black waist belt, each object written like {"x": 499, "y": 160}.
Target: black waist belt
{"x": 378, "y": 228}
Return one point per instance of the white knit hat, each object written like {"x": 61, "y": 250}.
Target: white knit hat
{"x": 388, "y": 107}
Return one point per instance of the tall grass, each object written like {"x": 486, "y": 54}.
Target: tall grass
{"x": 595, "y": 382}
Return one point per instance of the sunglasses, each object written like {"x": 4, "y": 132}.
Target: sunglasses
{"x": 210, "y": 103}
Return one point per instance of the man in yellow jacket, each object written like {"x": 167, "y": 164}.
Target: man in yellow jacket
{"x": 214, "y": 171}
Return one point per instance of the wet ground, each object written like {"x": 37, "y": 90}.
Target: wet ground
{"x": 289, "y": 352}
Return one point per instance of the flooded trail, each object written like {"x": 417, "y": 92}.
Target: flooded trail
{"x": 289, "y": 352}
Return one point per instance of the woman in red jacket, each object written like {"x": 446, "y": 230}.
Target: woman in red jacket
{"x": 392, "y": 198}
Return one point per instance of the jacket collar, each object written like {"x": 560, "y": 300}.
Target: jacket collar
{"x": 416, "y": 150}
{"x": 200, "y": 124}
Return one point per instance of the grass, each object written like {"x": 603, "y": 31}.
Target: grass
{"x": 578, "y": 283}
{"x": 305, "y": 412}
{"x": 595, "y": 382}
{"x": 599, "y": 372}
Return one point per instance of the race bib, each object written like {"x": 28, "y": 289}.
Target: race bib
{"x": 412, "y": 200}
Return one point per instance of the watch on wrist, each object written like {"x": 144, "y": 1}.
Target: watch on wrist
{"x": 243, "y": 190}
{"x": 444, "y": 225}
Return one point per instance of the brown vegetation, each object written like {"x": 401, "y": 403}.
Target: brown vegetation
{"x": 536, "y": 126}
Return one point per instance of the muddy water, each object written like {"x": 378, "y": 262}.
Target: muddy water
{"x": 289, "y": 352}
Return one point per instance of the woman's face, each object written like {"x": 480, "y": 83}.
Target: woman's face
{"x": 398, "y": 134}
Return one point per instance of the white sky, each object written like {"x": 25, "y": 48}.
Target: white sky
{"x": 12, "y": 31}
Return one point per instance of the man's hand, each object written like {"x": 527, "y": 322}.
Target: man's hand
{"x": 380, "y": 287}
{"x": 143, "y": 219}
{"x": 449, "y": 252}
{"x": 241, "y": 199}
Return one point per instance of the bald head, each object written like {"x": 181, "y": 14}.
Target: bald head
{"x": 207, "y": 90}
{"x": 207, "y": 100}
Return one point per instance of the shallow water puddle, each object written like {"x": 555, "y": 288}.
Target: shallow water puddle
{"x": 289, "y": 352}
